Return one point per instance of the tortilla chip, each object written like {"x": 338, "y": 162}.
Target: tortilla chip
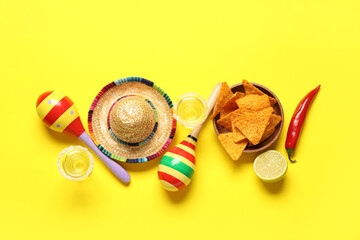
{"x": 274, "y": 120}
{"x": 230, "y": 105}
{"x": 270, "y": 129}
{"x": 253, "y": 124}
{"x": 237, "y": 112}
{"x": 251, "y": 89}
{"x": 253, "y": 102}
{"x": 267, "y": 133}
{"x": 237, "y": 134}
{"x": 224, "y": 95}
{"x": 233, "y": 149}
{"x": 226, "y": 120}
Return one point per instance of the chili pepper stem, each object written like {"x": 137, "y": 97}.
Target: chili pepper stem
{"x": 290, "y": 151}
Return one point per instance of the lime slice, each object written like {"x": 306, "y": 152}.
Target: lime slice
{"x": 270, "y": 166}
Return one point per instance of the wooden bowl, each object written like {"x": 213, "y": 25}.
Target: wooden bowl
{"x": 278, "y": 111}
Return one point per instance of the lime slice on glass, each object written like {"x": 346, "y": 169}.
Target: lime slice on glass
{"x": 270, "y": 166}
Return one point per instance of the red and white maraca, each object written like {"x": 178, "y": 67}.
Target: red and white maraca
{"x": 59, "y": 113}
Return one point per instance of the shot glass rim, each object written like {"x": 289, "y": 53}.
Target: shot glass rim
{"x": 61, "y": 170}
{"x": 192, "y": 94}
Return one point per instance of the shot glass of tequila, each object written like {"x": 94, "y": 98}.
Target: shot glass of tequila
{"x": 190, "y": 110}
{"x": 75, "y": 163}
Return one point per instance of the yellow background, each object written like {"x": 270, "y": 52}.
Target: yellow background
{"x": 77, "y": 47}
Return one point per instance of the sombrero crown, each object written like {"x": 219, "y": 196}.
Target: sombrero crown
{"x": 133, "y": 120}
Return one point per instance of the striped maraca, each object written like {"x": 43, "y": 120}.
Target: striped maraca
{"x": 59, "y": 113}
{"x": 177, "y": 166}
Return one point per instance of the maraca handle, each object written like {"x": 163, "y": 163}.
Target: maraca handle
{"x": 211, "y": 101}
{"x": 119, "y": 171}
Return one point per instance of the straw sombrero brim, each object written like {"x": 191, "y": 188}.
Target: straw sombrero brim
{"x": 98, "y": 117}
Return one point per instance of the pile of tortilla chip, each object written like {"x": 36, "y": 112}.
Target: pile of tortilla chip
{"x": 248, "y": 116}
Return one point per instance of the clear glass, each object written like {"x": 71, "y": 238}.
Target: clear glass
{"x": 190, "y": 110}
{"x": 75, "y": 163}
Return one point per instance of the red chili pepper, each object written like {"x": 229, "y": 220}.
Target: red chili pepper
{"x": 297, "y": 121}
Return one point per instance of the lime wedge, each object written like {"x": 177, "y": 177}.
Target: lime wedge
{"x": 270, "y": 166}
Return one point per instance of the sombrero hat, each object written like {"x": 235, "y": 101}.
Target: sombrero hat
{"x": 131, "y": 120}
